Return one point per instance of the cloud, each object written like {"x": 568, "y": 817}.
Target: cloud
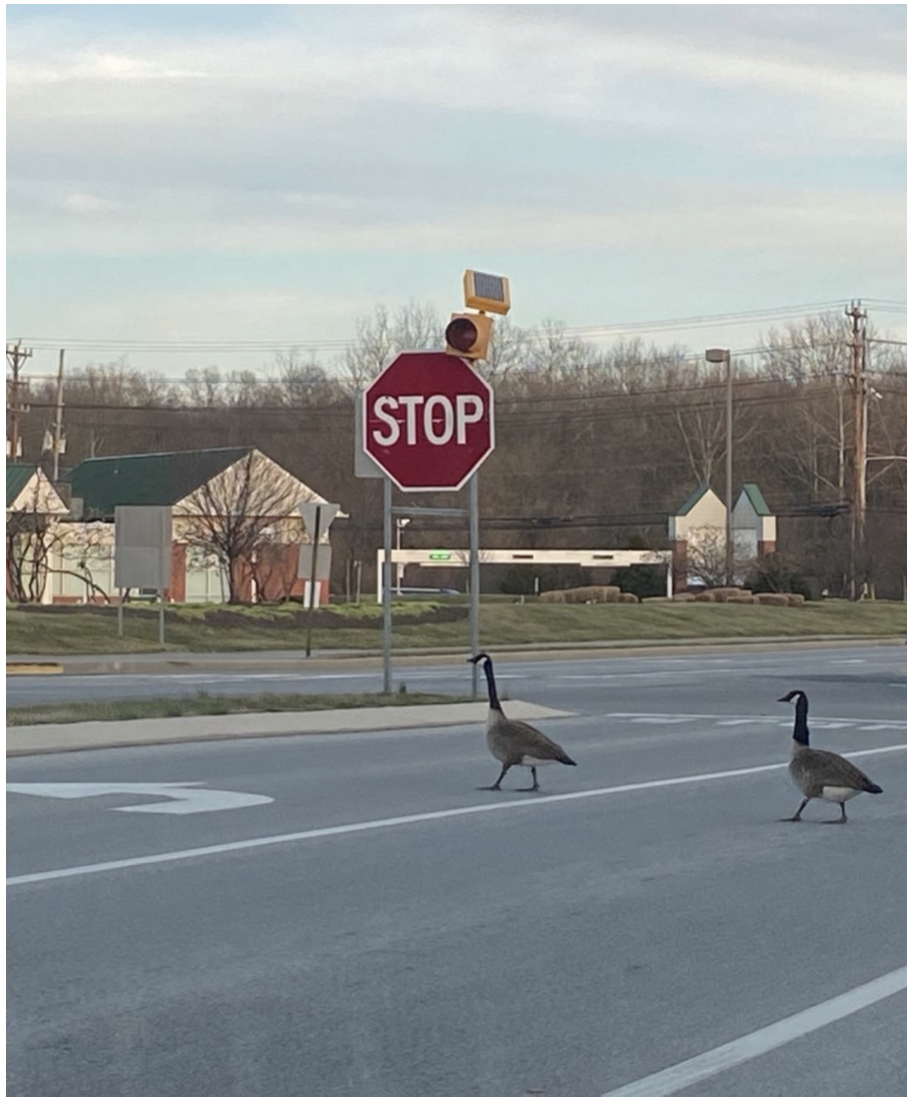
{"x": 87, "y": 203}
{"x": 313, "y": 134}
{"x": 632, "y": 212}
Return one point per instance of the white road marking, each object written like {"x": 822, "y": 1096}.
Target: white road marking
{"x": 401, "y": 821}
{"x": 781, "y": 720}
{"x": 698, "y": 1068}
{"x": 184, "y": 798}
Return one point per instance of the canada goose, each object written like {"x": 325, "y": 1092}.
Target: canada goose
{"x": 821, "y": 774}
{"x": 515, "y": 743}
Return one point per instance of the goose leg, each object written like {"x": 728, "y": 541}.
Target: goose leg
{"x": 843, "y": 818}
{"x": 496, "y": 785}
{"x": 797, "y": 817}
{"x": 533, "y": 788}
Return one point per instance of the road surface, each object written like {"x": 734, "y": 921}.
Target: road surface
{"x": 375, "y": 925}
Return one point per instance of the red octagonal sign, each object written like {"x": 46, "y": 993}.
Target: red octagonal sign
{"x": 428, "y": 421}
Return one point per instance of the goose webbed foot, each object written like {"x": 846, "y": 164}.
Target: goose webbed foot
{"x": 495, "y": 788}
{"x": 797, "y": 817}
{"x": 533, "y": 788}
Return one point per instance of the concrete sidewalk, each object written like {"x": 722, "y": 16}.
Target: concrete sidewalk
{"x": 43, "y": 739}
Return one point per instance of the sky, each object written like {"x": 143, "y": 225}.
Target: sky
{"x": 262, "y": 177}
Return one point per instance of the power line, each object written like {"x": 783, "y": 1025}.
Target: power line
{"x": 186, "y": 346}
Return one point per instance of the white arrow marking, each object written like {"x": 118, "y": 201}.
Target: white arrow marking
{"x": 184, "y": 798}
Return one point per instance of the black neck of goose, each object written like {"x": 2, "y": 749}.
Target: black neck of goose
{"x": 493, "y": 700}
{"x": 801, "y": 722}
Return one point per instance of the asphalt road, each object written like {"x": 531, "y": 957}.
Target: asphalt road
{"x": 380, "y": 927}
{"x": 585, "y": 680}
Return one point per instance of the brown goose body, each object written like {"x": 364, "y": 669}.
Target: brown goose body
{"x": 821, "y": 774}
{"x": 516, "y": 743}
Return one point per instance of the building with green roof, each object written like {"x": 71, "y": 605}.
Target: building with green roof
{"x": 211, "y": 493}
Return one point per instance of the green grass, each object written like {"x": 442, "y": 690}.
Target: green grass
{"x": 61, "y": 631}
{"x": 212, "y": 705}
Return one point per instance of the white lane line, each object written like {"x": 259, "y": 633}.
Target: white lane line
{"x": 400, "y": 821}
{"x": 766, "y": 718}
{"x": 698, "y": 1068}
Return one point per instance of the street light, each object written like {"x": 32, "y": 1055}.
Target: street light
{"x": 723, "y": 354}
{"x": 401, "y": 524}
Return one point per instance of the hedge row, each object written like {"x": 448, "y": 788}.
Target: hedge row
{"x": 607, "y": 593}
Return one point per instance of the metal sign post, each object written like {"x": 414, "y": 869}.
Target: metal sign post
{"x": 313, "y": 581}
{"x": 387, "y": 585}
{"x": 318, "y": 518}
{"x": 142, "y": 555}
{"x": 426, "y": 422}
{"x": 474, "y": 580}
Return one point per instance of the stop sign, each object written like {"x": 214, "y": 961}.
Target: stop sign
{"x": 428, "y": 421}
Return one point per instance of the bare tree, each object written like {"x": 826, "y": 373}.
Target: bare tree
{"x": 380, "y": 338}
{"x": 33, "y": 534}
{"x": 706, "y": 556}
{"x": 238, "y": 515}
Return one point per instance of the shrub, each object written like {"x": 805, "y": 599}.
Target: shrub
{"x": 577, "y": 595}
{"x": 766, "y": 598}
{"x": 643, "y": 580}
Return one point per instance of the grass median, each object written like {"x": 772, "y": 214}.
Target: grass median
{"x": 66, "y": 630}
{"x": 203, "y": 704}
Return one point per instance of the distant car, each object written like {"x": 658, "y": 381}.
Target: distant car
{"x": 426, "y": 591}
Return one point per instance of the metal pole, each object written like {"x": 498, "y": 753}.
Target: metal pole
{"x": 729, "y": 543}
{"x": 313, "y": 580}
{"x": 58, "y": 417}
{"x": 120, "y": 614}
{"x": 387, "y": 584}
{"x": 474, "y": 580}
{"x": 161, "y": 616}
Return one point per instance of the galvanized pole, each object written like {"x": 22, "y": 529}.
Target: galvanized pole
{"x": 474, "y": 580}
{"x": 58, "y": 417}
{"x": 387, "y": 585}
{"x": 313, "y": 580}
{"x": 729, "y": 539}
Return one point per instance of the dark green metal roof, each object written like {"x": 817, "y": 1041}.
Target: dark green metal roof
{"x": 692, "y": 500}
{"x": 757, "y": 501}
{"x": 147, "y": 480}
{"x": 17, "y": 477}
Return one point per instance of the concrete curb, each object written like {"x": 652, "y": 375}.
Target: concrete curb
{"x": 34, "y": 668}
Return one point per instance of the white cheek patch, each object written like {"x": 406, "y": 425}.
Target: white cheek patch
{"x": 838, "y": 793}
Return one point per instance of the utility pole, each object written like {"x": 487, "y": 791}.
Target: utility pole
{"x": 15, "y": 356}
{"x": 58, "y": 419}
{"x": 858, "y": 316}
{"x": 723, "y": 355}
